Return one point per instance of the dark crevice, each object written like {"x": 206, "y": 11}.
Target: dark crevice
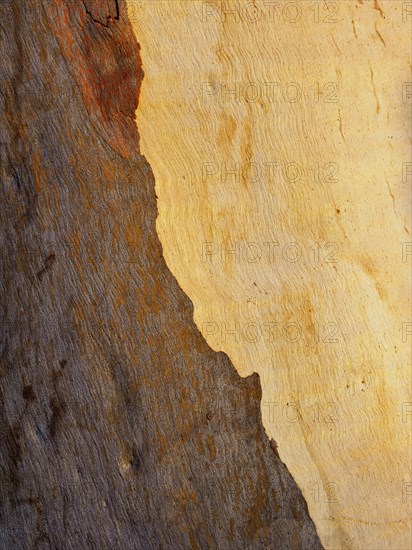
{"x": 108, "y": 17}
{"x": 16, "y": 179}
{"x": 48, "y": 263}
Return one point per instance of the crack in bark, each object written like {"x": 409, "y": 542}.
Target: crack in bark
{"x": 108, "y": 17}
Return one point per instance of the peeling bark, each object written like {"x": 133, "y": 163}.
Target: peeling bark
{"x": 120, "y": 427}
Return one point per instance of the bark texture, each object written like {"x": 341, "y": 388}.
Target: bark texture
{"x": 120, "y": 427}
{"x": 285, "y": 216}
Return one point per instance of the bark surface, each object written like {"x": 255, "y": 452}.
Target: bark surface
{"x": 120, "y": 427}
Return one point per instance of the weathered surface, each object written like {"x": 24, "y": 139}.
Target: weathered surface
{"x": 284, "y": 213}
{"x": 120, "y": 428}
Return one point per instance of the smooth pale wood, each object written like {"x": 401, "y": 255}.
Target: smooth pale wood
{"x": 349, "y": 448}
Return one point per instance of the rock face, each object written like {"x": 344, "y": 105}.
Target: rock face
{"x": 120, "y": 427}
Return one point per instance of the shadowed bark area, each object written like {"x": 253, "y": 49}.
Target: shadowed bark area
{"x": 120, "y": 427}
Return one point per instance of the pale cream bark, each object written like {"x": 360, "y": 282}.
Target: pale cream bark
{"x": 279, "y": 136}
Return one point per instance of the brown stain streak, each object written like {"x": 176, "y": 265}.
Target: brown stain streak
{"x": 378, "y": 107}
{"x": 380, "y": 36}
{"x": 377, "y": 7}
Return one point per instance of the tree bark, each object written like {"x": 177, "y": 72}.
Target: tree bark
{"x": 285, "y": 216}
{"x": 120, "y": 427}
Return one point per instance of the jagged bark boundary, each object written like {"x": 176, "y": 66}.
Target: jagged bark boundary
{"x": 120, "y": 427}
